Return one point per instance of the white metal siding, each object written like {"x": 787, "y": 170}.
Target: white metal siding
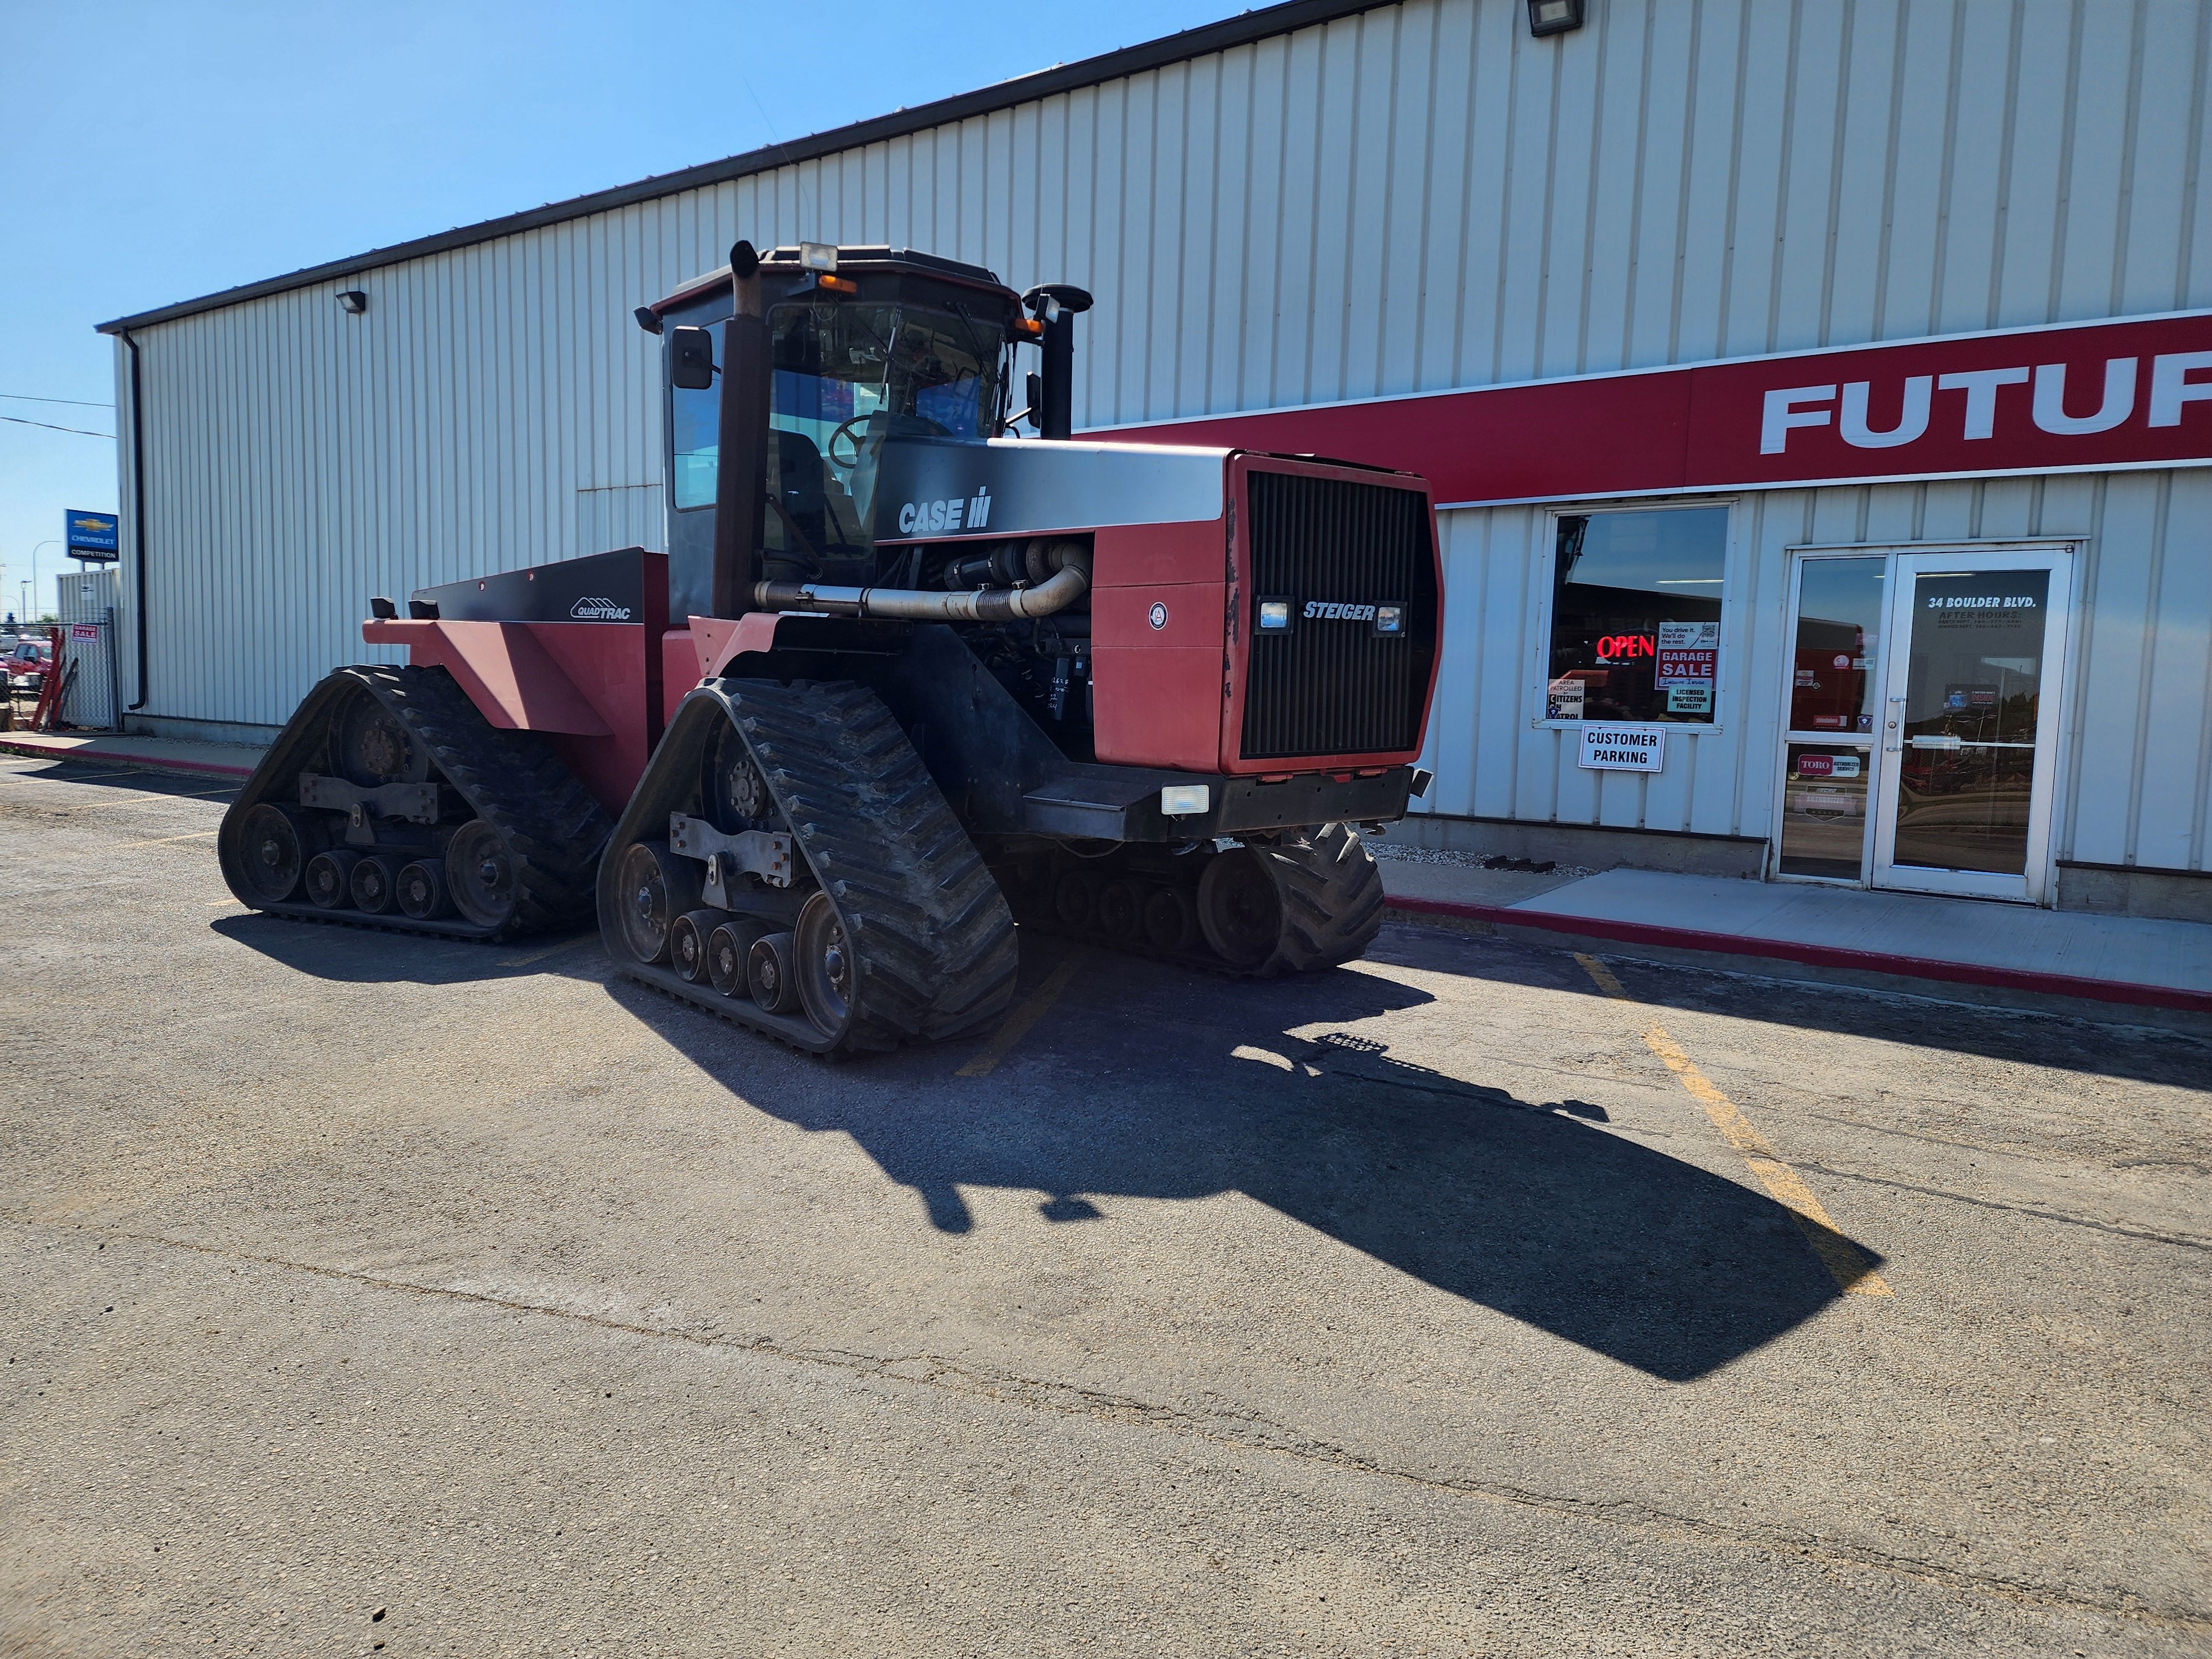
{"x": 2136, "y": 750}
{"x": 1415, "y": 198}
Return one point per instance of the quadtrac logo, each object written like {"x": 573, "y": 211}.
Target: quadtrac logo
{"x": 955, "y": 512}
{"x": 593, "y": 609}
{"x": 1330, "y": 610}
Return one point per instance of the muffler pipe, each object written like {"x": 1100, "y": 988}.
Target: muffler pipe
{"x": 1056, "y": 592}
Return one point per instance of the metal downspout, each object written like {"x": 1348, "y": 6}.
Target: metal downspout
{"x": 137, "y": 514}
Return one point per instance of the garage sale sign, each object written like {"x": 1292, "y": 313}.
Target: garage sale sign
{"x": 2092, "y": 397}
{"x": 1623, "y": 748}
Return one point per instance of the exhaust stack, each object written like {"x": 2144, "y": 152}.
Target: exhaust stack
{"x": 740, "y": 499}
{"x": 1057, "y": 305}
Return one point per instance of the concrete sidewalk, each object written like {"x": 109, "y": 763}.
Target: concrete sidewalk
{"x": 2013, "y": 955}
{"x": 213, "y": 760}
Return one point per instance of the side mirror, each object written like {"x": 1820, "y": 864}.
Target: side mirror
{"x": 691, "y": 358}
{"x": 1033, "y": 389}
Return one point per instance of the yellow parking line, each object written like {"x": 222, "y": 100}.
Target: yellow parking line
{"x": 163, "y": 841}
{"x": 1842, "y": 1258}
{"x": 1037, "y": 1004}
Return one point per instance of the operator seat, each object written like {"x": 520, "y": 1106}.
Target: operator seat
{"x": 816, "y": 503}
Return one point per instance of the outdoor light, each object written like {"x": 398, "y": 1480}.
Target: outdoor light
{"x": 1389, "y": 618}
{"x": 353, "y": 302}
{"x": 1180, "y": 800}
{"x": 1553, "y": 16}
{"x": 819, "y": 256}
{"x": 1274, "y": 616}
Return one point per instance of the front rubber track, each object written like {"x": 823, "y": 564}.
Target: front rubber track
{"x": 552, "y": 829}
{"x": 1332, "y": 898}
{"x": 934, "y": 940}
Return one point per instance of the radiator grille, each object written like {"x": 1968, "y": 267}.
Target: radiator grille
{"x": 1332, "y": 687}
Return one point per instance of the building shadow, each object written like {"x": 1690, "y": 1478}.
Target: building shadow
{"x": 2101, "y": 1042}
{"x": 1162, "y": 1084}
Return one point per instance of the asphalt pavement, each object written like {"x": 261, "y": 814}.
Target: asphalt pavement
{"x": 365, "y": 1294}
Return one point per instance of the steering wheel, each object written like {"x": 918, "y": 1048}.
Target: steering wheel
{"x": 852, "y": 437}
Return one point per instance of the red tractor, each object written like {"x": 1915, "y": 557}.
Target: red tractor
{"x": 901, "y": 685}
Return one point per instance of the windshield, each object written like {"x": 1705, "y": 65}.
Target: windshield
{"x": 845, "y": 377}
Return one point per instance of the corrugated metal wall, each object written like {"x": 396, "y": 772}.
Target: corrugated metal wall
{"x": 1418, "y": 197}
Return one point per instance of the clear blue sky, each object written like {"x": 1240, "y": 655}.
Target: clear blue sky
{"x": 151, "y": 153}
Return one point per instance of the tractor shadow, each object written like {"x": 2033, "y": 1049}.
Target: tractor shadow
{"x": 354, "y": 955}
{"x": 1151, "y": 1082}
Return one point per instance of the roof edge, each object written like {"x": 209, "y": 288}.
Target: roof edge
{"x": 1241, "y": 30}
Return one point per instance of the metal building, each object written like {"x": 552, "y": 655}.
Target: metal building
{"x": 1821, "y": 305}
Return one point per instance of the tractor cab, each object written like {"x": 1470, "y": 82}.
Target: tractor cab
{"x": 869, "y": 348}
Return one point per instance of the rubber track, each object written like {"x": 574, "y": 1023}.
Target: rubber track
{"x": 1333, "y": 902}
{"x": 935, "y": 943}
{"x": 552, "y": 828}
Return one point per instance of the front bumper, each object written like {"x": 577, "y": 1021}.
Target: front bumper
{"x": 1123, "y": 804}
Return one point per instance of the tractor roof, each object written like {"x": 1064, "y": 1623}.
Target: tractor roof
{"x": 861, "y": 258}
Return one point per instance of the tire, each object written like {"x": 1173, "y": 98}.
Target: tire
{"x": 1322, "y": 892}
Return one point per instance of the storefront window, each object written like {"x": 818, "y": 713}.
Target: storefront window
{"x": 1636, "y": 615}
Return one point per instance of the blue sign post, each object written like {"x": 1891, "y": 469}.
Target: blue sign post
{"x": 91, "y": 536}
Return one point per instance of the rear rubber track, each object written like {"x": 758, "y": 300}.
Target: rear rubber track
{"x": 552, "y": 829}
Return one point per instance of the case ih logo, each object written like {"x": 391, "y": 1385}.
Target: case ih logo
{"x": 933, "y": 518}
{"x": 593, "y": 609}
{"x": 1329, "y": 610}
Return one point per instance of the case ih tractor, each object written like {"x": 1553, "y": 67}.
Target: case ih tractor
{"x": 899, "y": 684}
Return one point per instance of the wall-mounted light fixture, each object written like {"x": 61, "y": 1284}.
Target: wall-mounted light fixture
{"x": 353, "y": 302}
{"x": 1554, "y": 16}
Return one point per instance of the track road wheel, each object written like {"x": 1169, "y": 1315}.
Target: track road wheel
{"x": 1170, "y": 920}
{"x": 688, "y": 945}
{"x": 479, "y": 874}
{"x": 329, "y": 879}
{"x": 656, "y": 887}
{"x": 375, "y": 883}
{"x": 823, "y": 957}
{"x": 273, "y": 851}
{"x": 1121, "y": 911}
{"x": 727, "y": 946}
{"x": 769, "y": 974}
{"x": 423, "y": 893}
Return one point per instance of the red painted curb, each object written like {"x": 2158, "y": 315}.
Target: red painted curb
{"x": 1817, "y": 955}
{"x": 12, "y": 746}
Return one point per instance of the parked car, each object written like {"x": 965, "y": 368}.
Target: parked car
{"x": 29, "y": 660}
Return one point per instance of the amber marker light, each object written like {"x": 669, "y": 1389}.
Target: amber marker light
{"x": 1030, "y": 327}
{"x": 837, "y": 284}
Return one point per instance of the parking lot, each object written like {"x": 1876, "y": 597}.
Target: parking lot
{"x": 370, "y": 1293}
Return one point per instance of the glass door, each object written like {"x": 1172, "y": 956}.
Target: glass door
{"x": 1969, "y": 721}
{"x": 1827, "y": 761}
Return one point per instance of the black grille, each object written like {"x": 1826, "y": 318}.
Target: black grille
{"x": 1331, "y": 686}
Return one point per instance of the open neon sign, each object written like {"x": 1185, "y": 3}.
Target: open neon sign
{"x": 1624, "y": 647}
